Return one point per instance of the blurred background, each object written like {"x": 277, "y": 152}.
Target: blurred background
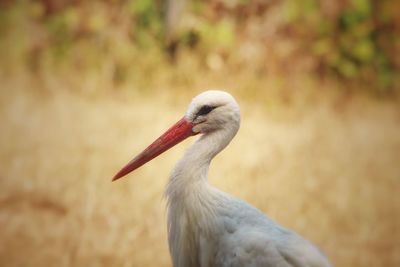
{"x": 85, "y": 85}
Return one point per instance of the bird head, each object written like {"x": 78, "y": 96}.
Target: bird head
{"x": 208, "y": 112}
{"x": 213, "y": 110}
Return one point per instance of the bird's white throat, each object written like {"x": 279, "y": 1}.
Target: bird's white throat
{"x": 190, "y": 173}
{"x": 191, "y": 199}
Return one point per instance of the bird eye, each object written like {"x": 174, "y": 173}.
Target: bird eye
{"x": 205, "y": 110}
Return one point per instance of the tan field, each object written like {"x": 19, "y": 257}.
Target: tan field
{"x": 328, "y": 168}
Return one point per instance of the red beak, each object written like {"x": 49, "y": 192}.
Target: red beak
{"x": 174, "y": 135}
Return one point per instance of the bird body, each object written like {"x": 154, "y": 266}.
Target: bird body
{"x": 210, "y": 228}
{"x": 230, "y": 232}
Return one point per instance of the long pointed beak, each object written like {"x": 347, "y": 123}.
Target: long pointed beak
{"x": 174, "y": 135}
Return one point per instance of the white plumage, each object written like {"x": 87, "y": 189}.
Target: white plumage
{"x": 207, "y": 227}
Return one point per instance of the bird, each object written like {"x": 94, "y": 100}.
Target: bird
{"x": 206, "y": 226}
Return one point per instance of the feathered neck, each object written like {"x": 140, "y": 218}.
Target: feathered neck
{"x": 191, "y": 199}
{"x": 191, "y": 172}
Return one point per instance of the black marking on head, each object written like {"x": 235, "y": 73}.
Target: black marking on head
{"x": 204, "y": 110}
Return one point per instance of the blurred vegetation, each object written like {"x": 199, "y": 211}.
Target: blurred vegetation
{"x": 355, "y": 42}
{"x": 356, "y": 39}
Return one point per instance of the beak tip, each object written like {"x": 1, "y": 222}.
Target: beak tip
{"x": 116, "y": 177}
{"x": 124, "y": 171}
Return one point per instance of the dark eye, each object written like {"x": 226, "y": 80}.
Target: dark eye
{"x": 204, "y": 110}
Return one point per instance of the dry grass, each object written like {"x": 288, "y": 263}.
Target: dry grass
{"x": 330, "y": 171}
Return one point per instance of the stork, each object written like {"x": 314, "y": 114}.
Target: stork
{"x": 207, "y": 227}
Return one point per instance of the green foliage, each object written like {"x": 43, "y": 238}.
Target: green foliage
{"x": 349, "y": 42}
{"x": 219, "y": 34}
{"x": 148, "y": 20}
{"x": 355, "y": 41}
{"x": 60, "y": 27}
